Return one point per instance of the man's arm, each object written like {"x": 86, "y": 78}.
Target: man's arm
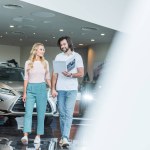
{"x": 79, "y": 74}
{"x": 53, "y": 84}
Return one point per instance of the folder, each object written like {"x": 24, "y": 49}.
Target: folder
{"x": 61, "y": 66}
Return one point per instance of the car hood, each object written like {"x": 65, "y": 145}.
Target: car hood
{"x": 16, "y": 85}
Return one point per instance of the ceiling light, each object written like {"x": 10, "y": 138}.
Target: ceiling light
{"x": 17, "y": 33}
{"x": 1, "y": 36}
{"x": 83, "y": 33}
{"x": 6, "y": 32}
{"x": 92, "y": 40}
{"x": 47, "y": 21}
{"x": 61, "y": 30}
{"x": 12, "y": 6}
{"x": 23, "y": 19}
{"x": 27, "y": 26}
{"x": 11, "y": 26}
{"x": 53, "y": 37}
{"x": 89, "y": 29}
{"x": 81, "y": 44}
{"x": 102, "y": 34}
{"x": 20, "y": 39}
{"x": 43, "y": 14}
{"x": 34, "y": 33}
{"x": 45, "y": 40}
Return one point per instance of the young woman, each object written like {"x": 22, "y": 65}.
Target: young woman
{"x": 36, "y": 74}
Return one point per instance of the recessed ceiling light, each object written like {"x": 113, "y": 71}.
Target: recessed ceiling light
{"x": 81, "y": 44}
{"x": 6, "y": 32}
{"x": 83, "y": 33}
{"x": 47, "y": 21}
{"x": 45, "y": 40}
{"x": 23, "y": 19}
{"x": 102, "y": 34}
{"x": 92, "y": 40}
{"x": 61, "y": 30}
{"x": 1, "y": 36}
{"x": 89, "y": 29}
{"x": 11, "y": 26}
{"x": 43, "y": 14}
{"x": 20, "y": 39}
{"x": 17, "y": 33}
{"x": 53, "y": 37}
{"x": 12, "y": 6}
{"x": 27, "y": 26}
{"x": 34, "y": 33}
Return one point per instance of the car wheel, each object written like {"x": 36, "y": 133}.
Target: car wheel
{"x": 11, "y": 121}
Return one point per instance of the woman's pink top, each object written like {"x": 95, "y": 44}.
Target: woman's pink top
{"x": 37, "y": 74}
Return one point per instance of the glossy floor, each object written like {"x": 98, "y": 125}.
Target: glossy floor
{"x": 11, "y": 133}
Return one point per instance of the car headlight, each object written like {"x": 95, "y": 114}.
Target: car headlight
{"x": 6, "y": 91}
{"x": 6, "y": 94}
{"x": 87, "y": 97}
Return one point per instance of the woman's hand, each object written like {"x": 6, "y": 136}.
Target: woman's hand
{"x": 54, "y": 93}
{"x": 24, "y": 97}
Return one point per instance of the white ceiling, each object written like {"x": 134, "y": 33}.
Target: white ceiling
{"x": 107, "y": 13}
{"x": 27, "y": 20}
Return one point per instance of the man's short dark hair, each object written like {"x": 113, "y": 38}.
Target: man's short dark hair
{"x": 69, "y": 41}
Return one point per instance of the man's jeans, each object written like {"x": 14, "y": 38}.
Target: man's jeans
{"x": 66, "y": 103}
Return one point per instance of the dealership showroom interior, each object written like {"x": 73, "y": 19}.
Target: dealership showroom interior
{"x": 111, "y": 111}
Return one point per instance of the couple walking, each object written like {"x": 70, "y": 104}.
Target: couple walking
{"x": 63, "y": 85}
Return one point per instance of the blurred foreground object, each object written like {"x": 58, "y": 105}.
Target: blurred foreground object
{"x": 122, "y": 113}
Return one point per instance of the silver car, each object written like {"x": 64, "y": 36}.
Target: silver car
{"x": 11, "y": 89}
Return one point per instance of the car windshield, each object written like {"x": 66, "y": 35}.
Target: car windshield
{"x": 11, "y": 74}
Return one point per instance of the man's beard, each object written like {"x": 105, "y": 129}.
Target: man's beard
{"x": 65, "y": 50}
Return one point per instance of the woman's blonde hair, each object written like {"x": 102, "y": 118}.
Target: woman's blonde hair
{"x": 33, "y": 56}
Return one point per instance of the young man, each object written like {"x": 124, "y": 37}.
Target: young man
{"x": 65, "y": 86}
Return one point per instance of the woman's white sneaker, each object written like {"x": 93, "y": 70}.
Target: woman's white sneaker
{"x": 24, "y": 140}
{"x": 61, "y": 141}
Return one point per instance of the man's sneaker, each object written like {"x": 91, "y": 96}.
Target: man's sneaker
{"x": 61, "y": 141}
{"x": 37, "y": 140}
{"x": 24, "y": 140}
{"x": 37, "y": 146}
{"x": 65, "y": 142}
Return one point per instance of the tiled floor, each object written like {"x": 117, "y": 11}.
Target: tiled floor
{"x": 10, "y": 136}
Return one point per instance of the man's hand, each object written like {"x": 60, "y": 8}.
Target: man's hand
{"x": 54, "y": 93}
{"x": 67, "y": 74}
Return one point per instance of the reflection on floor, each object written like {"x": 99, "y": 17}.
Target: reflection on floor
{"x": 46, "y": 144}
{"x": 10, "y": 136}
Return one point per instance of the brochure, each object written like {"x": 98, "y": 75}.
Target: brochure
{"x": 61, "y": 66}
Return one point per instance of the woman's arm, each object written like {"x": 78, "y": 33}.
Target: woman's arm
{"x": 47, "y": 75}
{"x": 48, "y": 81}
{"x": 24, "y": 90}
{"x": 26, "y": 76}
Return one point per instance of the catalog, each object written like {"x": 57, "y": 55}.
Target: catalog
{"x": 61, "y": 66}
